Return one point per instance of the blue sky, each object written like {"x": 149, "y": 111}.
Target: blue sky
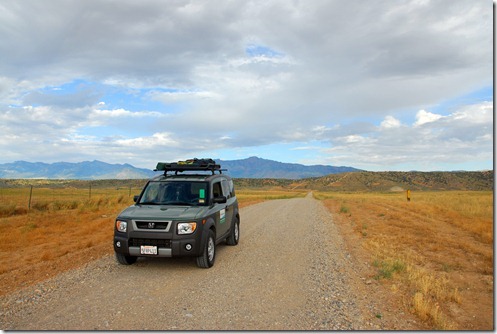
{"x": 385, "y": 85}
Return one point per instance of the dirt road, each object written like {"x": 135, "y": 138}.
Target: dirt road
{"x": 290, "y": 271}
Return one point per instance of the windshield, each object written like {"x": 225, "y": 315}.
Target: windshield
{"x": 175, "y": 193}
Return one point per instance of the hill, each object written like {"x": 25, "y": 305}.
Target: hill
{"x": 400, "y": 181}
{"x": 381, "y": 182}
{"x": 344, "y": 182}
{"x": 259, "y": 168}
{"x": 96, "y": 170}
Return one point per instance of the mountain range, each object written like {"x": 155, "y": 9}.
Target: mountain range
{"x": 259, "y": 168}
{"x": 252, "y": 167}
{"x": 86, "y": 170}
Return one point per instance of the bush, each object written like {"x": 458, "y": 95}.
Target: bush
{"x": 7, "y": 210}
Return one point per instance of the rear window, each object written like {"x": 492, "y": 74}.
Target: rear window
{"x": 175, "y": 193}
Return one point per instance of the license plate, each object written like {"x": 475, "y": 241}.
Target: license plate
{"x": 148, "y": 250}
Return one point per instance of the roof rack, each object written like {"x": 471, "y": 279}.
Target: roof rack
{"x": 189, "y": 165}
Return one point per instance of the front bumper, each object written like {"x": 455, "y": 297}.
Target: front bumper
{"x": 165, "y": 247}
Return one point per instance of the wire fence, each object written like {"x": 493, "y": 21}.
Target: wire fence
{"x": 32, "y": 196}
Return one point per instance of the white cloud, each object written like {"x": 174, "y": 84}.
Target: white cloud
{"x": 456, "y": 139}
{"x": 355, "y": 139}
{"x": 157, "y": 140}
{"x": 256, "y": 72}
{"x": 183, "y": 96}
{"x": 117, "y": 113}
{"x": 423, "y": 117}
{"x": 479, "y": 113}
{"x": 390, "y": 122}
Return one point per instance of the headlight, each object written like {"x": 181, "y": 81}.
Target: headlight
{"x": 121, "y": 226}
{"x": 186, "y": 228}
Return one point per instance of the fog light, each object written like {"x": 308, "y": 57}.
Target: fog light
{"x": 118, "y": 244}
{"x": 188, "y": 247}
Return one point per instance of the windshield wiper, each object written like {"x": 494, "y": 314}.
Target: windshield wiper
{"x": 148, "y": 203}
{"x": 177, "y": 203}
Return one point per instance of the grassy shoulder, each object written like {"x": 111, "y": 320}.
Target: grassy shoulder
{"x": 436, "y": 250}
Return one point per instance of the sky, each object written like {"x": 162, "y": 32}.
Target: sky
{"x": 376, "y": 85}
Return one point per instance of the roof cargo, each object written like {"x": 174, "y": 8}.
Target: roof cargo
{"x": 189, "y": 165}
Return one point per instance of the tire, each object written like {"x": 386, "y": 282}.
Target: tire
{"x": 124, "y": 259}
{"x": 234, "y": 236}
{"x": 208, "y": 256}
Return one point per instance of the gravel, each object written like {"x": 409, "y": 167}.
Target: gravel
{"x": 290, "y": 271}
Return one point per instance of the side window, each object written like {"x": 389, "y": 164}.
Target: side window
{"x": 232, "y": 188}
{"x": 226, "y": 188}
{"x": 216, "y": 189}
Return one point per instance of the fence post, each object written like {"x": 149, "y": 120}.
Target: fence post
{"x": 30, "y": 195}
{"x": 89, "y": 194}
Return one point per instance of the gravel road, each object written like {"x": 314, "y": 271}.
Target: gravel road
{"x": 290, "y": 271}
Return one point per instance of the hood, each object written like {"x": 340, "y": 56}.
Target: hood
{"x": 168, "y": 212}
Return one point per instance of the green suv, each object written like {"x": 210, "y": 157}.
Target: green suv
{"x": 186, "y": 211}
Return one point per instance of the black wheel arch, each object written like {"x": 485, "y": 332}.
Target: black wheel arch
{"x": 209, "y": 225}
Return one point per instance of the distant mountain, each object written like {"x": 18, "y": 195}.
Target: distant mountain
{"x": 252, "y": 167}
{"x": 86, "y": 170}
{"x": 251, "y": 173}
{"x": 259, "y": 168}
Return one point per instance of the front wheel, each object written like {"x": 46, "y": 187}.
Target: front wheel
{"x": 124, "y": 259}
{"x": 206, "y": 259}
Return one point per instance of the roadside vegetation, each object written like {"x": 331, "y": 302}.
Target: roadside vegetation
{"x": 435, "y": 251}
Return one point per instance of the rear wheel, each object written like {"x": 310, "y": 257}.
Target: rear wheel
{"x": 206, "y": 259}
{"x": 234, "y": 236}
{"x": 125, "y": 259}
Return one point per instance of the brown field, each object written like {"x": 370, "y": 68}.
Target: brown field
{"x": 434, "y": 253}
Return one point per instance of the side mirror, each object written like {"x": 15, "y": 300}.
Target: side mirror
{"x": 135, "y": 198}
{"x": 219, "y": 200}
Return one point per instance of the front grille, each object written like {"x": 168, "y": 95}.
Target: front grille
{"x": 164, "y": 243}
{"x": 152, "y": 225}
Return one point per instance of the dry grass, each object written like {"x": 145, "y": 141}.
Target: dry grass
{"x": 438, "y": 247}
{"x": 65, "y": 229}
{"x": 54, "y": 237}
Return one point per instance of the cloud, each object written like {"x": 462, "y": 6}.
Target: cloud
{"x": 82, "y": 78}
{"x": 465, "y": 135}
{"x": 424, "y": 116}
{"x": 390, "y": 122}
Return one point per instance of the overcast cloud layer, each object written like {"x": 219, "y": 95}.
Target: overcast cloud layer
{"x": 377, "y": 85}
